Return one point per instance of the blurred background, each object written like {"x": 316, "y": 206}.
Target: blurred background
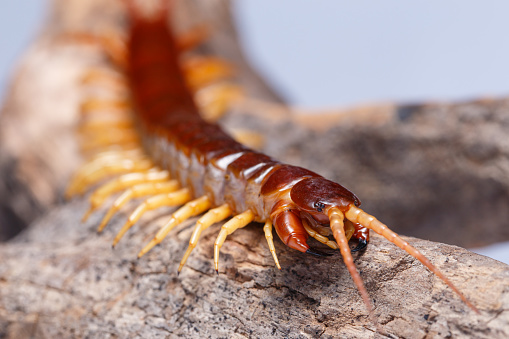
{"x": 342, "y": 53}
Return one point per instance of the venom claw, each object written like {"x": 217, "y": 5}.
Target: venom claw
{"x": 318, "y": 253}
{"x": 361, "y": 246}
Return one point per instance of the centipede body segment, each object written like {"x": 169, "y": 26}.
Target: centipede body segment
{"x": 155, "y": 144}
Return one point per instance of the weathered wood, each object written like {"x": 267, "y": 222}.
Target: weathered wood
{"x": 61, "y": 280}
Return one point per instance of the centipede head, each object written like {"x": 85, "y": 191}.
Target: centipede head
{"x": 317, "y": 195}
{"x": 327, "y": 203}
{"x": 305, "y": 213}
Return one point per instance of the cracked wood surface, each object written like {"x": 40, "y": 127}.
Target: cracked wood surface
{"x": 60, "y": 279}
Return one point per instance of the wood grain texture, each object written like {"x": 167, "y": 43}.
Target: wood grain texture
{"x": 61, "y": 280}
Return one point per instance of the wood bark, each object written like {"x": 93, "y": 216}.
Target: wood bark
{"x": 415, "y": 166}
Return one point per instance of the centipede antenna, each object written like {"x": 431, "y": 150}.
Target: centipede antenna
{"x": 355, "y": 214}
{"x": 338, "y": 231}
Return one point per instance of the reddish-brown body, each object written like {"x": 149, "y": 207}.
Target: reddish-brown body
{"x": 200, "y": 154}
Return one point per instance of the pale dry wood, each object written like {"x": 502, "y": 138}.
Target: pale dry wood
{"x": 62, "y": 280}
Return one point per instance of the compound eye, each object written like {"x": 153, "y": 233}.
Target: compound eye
{"x": 319, "y": 206}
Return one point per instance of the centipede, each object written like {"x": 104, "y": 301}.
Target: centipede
{"x": 163, "y": 145}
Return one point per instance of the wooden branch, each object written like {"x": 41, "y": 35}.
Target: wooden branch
{"x": 61, "y": 280}
{"x": 413, "y": 165}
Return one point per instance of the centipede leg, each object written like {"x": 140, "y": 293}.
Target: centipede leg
{"x": 202, "y": 71}
{"x": 319, "y": 237}
{"x": 113, "y": 137}
{"x": 238, "y": 221}
{"x": 99, "y": 104}
{"x": 112, "y": 42}
{"x": 168, "y": 199}
{"x": 136, "y": 192}
{"x": 215, "y": 99}
{"x": 187, "y": 211}
{"x": 96, "y": 164}
{"x": 211, "y": 217}
{"x": 101, "y": 126}
{"x": 267, "y": 229}
{"x": 113, "y": 80}
{"x": 122, "y": 167}
{"x": 121, "y": 183}
{"x": 355, "y": 214}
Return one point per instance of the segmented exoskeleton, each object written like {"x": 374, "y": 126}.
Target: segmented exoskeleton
{"x": 166, "y": 150}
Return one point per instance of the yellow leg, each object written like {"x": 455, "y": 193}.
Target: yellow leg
{"x": 108, "y": 137}
{"x": 107, "y": 77}
{"x": 136, "y": 192}
{"x": 211, "y": 217}
{"x": 119, "y": 151}
{"x": 319, "y": 237}
{"x": 248, "y": 138}
{"x": 121, "y": 183}
{"x": 168, "y": 199}
{"x": 91, "y": 105}
{"x": 116, "y": 154}
{"x": 103, "y": 126}
{"x": 202, "y": 71}
{"x": 267, "y": 228}
{"x": 98, "y": 162}
{"x": 229, "y": 227}
{"x": 92, "y": 130}
{"x": 122, "y": 167}
{"x": 112, "y": 137}
{"x": 187, "y": 211}
{"x": 131, "y": 146}
{"x": 112, "y": 42}
{"x": 214, "y": 100}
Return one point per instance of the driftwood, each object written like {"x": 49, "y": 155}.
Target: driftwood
{"x": 436, "y": 164}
